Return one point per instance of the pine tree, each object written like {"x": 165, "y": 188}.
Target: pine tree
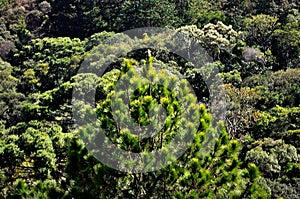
{"x": 195, "y": 174}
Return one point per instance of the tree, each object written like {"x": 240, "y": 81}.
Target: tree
{"x": 73, "y": 18}
{"x": 48, "y": 62}
{"x": 31, "y": 153}
{"x": 276, "y": 121}
{"x": 151, "y": 13}
{"x": 277, "y": 159}
{"x": 276, "y": 88}
{"x": 10, "y": 99}
{"x": 200, "y": 12}
{"x": 240, "y": 109}
{"x": 286, "y": 42}
{"x": 260, "y": 29}
{"x": 237, "y": 11}
{"x": 194, "y": 174}
{"x": 216, "y": 38}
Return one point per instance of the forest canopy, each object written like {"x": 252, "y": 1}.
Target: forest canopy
{"x": 252, "y": 47}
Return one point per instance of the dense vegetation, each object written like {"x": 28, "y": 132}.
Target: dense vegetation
{"x": 255, "y": 45}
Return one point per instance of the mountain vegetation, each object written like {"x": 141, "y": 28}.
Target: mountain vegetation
{"x": 254, "y": 45}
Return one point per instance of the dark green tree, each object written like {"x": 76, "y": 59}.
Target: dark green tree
{"x": 33, "y": 155}
{"x": 46, "y": 63}
{"x": 10, "y": 98}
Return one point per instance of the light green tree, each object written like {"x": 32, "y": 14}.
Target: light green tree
{"x": 195, "y": 174}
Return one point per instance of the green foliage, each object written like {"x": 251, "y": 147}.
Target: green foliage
{"x": 276, "y": 122}
{"x": 260, "y": 29}
{"x": 286, "y": 45}
{"x": 278, "y": 88}
{"x": 293, "y": 137}
{"x": 215, "y": 175}
{"x": 5, "y": 3}
{"x": 142, "y": 102}
{"x": 152, "y": 13}
{"x": 201, "y": 12}
{"x": 194, "y": 174}
{"x": 65, "y": 15}
{"x": 97, "y": 39}
{"x": 31, "y": 152}
{"x": 10, "y": 99}
{"x": 241, "y": 111}
{"x": 277, "y": 160}
{"x": 255, "y": 48}
{"x": 48, "y": 62}
{"x": 42, "y": 189}
{"x": 233, "y": 77}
